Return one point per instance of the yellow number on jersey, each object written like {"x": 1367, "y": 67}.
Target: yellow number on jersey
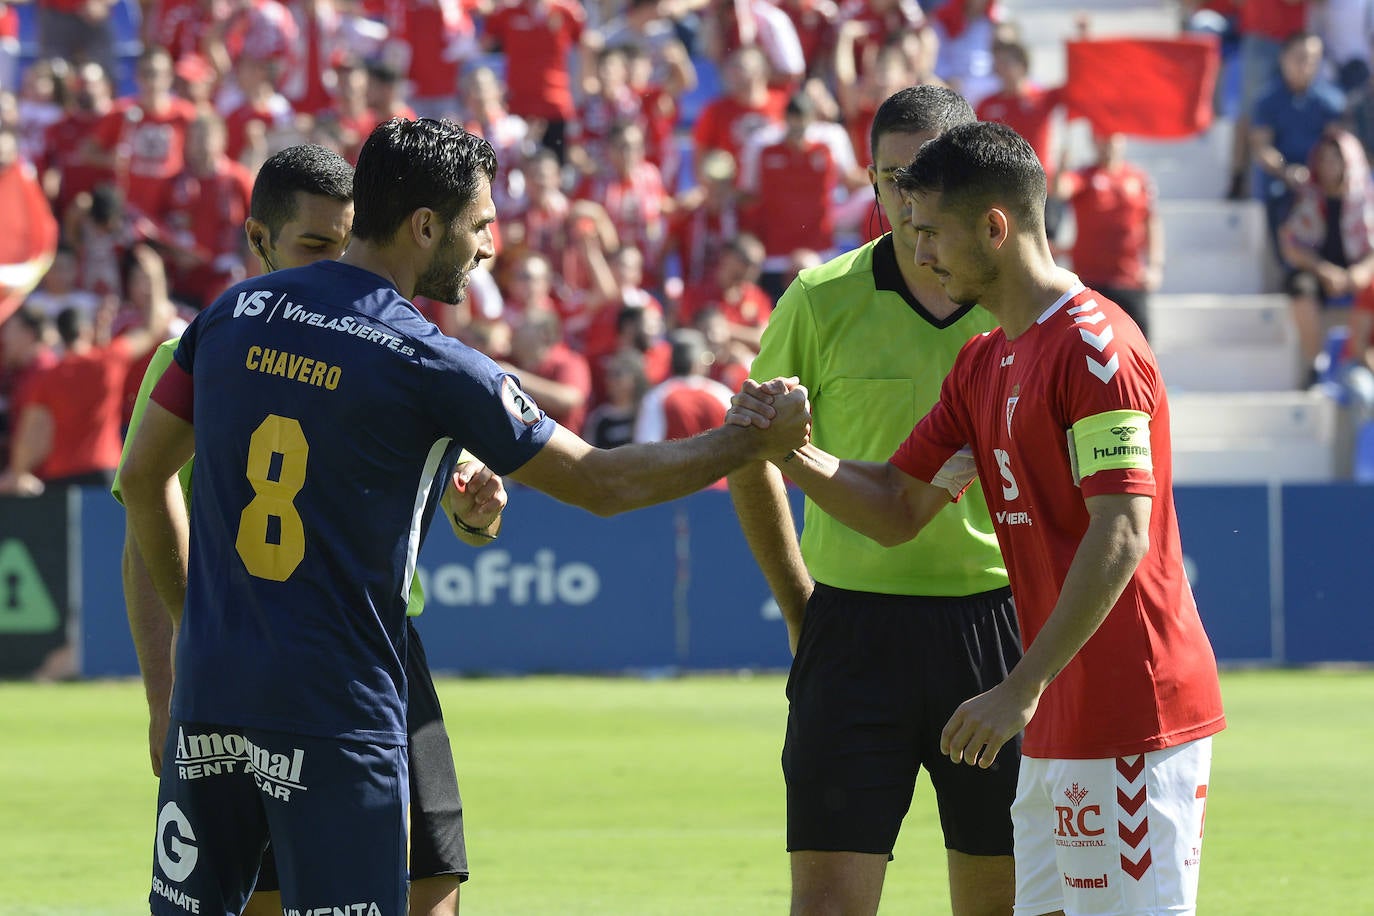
{"x": 274, "y": 498}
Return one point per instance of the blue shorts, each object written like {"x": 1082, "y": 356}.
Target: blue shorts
{"x": 335, "y": 811}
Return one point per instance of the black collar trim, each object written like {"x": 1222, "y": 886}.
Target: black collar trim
{"x": 888, "y": 276}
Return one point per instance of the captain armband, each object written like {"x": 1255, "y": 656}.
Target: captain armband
{"x": 956, "y": 473}
{"x": 1112, "y": 441}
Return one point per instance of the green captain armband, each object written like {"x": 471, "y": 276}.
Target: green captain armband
{"x": 1111, "y": 441}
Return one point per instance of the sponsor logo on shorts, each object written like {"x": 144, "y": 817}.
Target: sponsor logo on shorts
{"x": 1077, "y": 824}
{"x": 212, "y": 753}
{"x": 176, "y": 856}
{"x": 347, "y": 909}
{"x": 1085, "y": 883}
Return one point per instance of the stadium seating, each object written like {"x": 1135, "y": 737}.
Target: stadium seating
{"x": 1222, "y": 332}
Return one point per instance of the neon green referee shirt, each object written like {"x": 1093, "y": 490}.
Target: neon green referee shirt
{"x": 873, "y": 361}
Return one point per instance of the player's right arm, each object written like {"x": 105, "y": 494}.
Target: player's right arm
{"x": 611, "y": 481}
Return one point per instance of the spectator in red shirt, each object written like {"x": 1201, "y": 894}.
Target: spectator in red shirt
{"x": 68, "y": 164}
{"x": 553, "y": 373}
{"x": 25, "y": 348}
{"x": 706, "y": 217}
{"x": 748, "y": 105}
{"x": 438, "y": 35}
{"x": 817, "y": 23}
{"x": 60, "y": 287}
{"x": 625, "y": 289}
{"x": 1119, "y": 248}
{"x": 69, "y": 431}
{"x": 729, "y": 25}
{"x": 144, "y": 138}
{"x": 29, "y": 241}
{"x": 876, "y": 24}
{"x": 634, "y": 198}
{"x": 687, "y": 403}
{"x": 791, "y": 189}
{"x": 613, "y": 102}
{"x": 732, "y": 291}
{"x": 350, "y": 120}
{"x": 1022, "y": 105}
{"x": 202, "y": 216}
{"x": 536, "y": 37}
{"x": 263, "y": 111}
{"x": 485, "y": 114}
{"x": 386, "y": 93}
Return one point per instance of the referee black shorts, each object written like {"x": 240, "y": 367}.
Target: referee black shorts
{"x": 875, "y": 679}
{"x": 436, "y": 809}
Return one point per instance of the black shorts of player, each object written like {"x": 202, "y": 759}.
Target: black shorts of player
{"x": 875, "y": 679}
{"x": 436, "y": 809}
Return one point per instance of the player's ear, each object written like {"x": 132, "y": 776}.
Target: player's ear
{"x": 425, "y": 228}
{"x": 998, "y": 226}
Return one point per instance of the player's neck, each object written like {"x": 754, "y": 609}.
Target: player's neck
{"x": 382, "y": 262}
{"x": 1029, "y": 284}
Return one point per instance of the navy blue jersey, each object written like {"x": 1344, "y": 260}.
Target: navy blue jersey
{"x": 327, "y": 411}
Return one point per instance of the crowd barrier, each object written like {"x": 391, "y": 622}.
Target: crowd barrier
{"x": 1282, "y": 575}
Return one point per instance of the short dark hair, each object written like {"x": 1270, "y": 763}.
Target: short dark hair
{"x": 71, "y": 323}
{"x": 980, "y": 165}
{"x": 406, "y": 165}
{"x": 31, "y": 317}
{"x": 306, "y": 168}
{"x": 687, "y": 351}
{"x": 917, "y": 109}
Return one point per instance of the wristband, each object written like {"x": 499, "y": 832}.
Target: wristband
{"x": 475, "y": 532}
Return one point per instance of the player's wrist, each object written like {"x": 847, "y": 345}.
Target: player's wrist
{"x": 484, "y": 532}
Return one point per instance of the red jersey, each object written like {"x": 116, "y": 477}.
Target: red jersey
{"x": 816, "y": 22}
{"x": 794, "y": 208}
{"x": 635, "y": 205}
{"x": 205, "y": 216}
{"x": 747, "y": 305}
{"x": 1112, "y": 210}
{"x": 699, "y": 235}
{"x": 274, "y": 114}
{"x": 567, "y": 367}
{"x": 682, "y": 407}
{"x": 536, "y": 43}
{"x": 148, "y": 146}
{"x": 726, "y": 124}
{"x": 1147, "y": 678}
{"x": 83, "y": 393}
{"x": 1030, "y": 114}
{"x": 63, "y": 150}
{"x": 1272, "y": 19}
{"x": 905, "y": 16}
{"x": 430, "y": 28}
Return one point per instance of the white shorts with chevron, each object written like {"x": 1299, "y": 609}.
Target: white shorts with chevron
{"x": 1116, "y": 836}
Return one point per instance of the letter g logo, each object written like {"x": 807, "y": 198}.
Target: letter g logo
{"x": 176, "y": 850}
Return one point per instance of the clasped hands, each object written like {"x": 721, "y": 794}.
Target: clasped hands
{"x": 778, "y": 408}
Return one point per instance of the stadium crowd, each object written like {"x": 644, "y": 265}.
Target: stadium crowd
{"x": 648, "y": 218}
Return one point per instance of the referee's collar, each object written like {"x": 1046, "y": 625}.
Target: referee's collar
{"x": 887, "y": 276}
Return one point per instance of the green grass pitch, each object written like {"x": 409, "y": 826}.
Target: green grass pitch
{"x": 623, "y": 796}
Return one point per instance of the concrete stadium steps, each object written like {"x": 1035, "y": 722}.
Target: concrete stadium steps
{"x": 1225, "y": 343}
{"x": 1255, "y": 437}
{"x": 1202, "y": 320}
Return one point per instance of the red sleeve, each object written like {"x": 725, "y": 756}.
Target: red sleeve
{"x": 175, "y": 392}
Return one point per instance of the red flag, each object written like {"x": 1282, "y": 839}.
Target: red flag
{"x": 1144, "y": 87}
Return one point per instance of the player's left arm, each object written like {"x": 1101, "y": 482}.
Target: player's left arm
{"x": 473, "y": 502}
{"x": 1115, "y": 542}
{"x": 154, "y": 502}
